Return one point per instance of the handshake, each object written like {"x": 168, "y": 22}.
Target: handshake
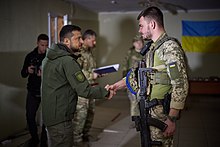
{"x": 115, "y": 87}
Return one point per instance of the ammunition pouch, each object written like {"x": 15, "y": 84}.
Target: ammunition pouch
{"x": 155, "y": 77}
{"x": 159, "y": 77}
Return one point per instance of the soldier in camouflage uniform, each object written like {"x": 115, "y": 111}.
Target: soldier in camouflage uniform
{"x": 167, "y": 58}
{"x": 84, "y": 114}
{"x": 132, "y": 58}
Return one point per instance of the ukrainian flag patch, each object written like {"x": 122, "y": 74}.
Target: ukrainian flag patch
{"x": 172, "y": 64}
{"x": 173, "y": 71}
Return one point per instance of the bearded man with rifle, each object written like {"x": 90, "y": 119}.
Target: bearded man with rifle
{"x": 167, "y": 81}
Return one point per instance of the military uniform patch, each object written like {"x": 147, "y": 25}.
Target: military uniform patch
{"x": 173, "y": 71}
{"x": 79, "y": 76}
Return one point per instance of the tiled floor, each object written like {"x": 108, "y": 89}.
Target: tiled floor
{"x": 198, "y": 126}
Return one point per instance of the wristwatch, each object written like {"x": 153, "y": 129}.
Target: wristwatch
{"x": 172, "y": 118}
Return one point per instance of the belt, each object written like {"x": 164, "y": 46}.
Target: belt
{"x": 159, "y": 78}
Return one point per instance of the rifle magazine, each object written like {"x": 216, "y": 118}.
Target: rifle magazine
{"x": 157, "y": 123}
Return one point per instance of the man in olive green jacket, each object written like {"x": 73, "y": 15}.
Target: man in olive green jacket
{"x": 62, "y": 83}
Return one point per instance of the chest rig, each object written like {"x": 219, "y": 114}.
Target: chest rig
{"x": 159, "y": 80}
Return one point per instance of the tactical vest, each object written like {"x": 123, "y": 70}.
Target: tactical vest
{"x": 160, "y": 83}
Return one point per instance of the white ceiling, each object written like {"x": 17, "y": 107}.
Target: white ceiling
{"x": 133, "y": 5}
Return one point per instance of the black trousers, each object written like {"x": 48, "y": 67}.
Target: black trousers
{"x": 32, "y": 104}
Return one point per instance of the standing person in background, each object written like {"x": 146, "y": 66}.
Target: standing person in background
{"x": 168, "y": 83}
{"x": 85, "y": 109}
{"x": 62, "y": 82}
{"x": 32, "y": 70}
{"x": 132, "y": 58}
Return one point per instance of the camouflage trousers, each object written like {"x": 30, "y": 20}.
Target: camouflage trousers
{"x": 157, "y": 134}
{"x": 83, "y": 118}
{"x": 134, "y": 108}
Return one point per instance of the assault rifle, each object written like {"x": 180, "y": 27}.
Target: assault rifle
{"x": 144, "y": 121}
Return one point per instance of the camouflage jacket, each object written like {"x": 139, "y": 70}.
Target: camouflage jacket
{"x": 130, "y": 60}
{"x": 168, "y": 52}
{"x": 87, "y": 63}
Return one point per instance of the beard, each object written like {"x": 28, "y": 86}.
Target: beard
{"x": 74, "y": 50}
{"x": 147, "y": 35}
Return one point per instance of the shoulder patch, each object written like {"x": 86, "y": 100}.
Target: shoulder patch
{"x": 79, "y": 76}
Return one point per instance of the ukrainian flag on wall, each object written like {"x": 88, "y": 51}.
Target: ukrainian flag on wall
{"x": 201, "y": 36}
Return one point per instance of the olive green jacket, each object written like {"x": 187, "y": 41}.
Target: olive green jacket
{"x": 62, "y": 82}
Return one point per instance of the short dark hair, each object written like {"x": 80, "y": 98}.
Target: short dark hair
{"x": 66, "y": 31}
{"x": 42, "y": 37}
{"x": 153, "y": 13}
{"x": 88, "y": 33}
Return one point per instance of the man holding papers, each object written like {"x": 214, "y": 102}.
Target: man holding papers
{"x": 84, "y": 114}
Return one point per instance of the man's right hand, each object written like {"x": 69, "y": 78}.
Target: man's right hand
{"x": 31, "y": 69}
{"x": 111, "y": 94}
{"x": 116, "y": 86}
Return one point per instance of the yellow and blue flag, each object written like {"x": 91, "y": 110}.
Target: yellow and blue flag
{"x": 201, "y": 36}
